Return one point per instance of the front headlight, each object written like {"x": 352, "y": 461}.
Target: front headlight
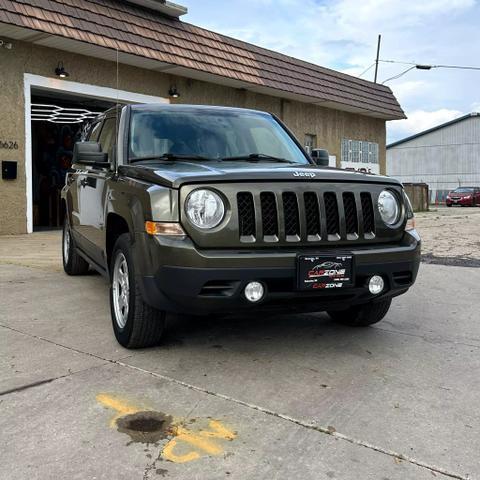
{"x": 204, "y": 208}
{"x": 389, "y": 207}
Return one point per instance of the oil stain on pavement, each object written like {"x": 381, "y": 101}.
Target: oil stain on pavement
{"x": 146, "y": 427}
{"x": 185, "y": 443}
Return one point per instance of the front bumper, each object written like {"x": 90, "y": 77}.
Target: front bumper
{"x": 176, "y": 277}
{"x": 461, "y": 201}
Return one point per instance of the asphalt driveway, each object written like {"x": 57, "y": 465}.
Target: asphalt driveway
{"x": 240, "y": 398}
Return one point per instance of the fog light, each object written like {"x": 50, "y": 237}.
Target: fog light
{"x": 254, "y": 291}
{"x": 376, "y": 284}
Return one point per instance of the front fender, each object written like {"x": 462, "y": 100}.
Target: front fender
{"x": 136, "y": 202}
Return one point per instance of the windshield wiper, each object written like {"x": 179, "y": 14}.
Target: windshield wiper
{"x": 171, "y": 156}
{"x": 257, "y": 157}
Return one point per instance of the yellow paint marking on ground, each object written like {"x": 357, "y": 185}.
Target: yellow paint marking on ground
{"x": 169, "y": 454}
{"x": 120, "y": 405}
{"x": 219, "y": 431}
{"x": 199, "y": 441}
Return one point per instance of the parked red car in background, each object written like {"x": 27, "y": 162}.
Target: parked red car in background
{"x": 464, "y": 196}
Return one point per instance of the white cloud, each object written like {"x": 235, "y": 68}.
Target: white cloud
{"x": 475, "y": 107}
{"x": 420, "y": 120}
{"x": 406, "y": 90}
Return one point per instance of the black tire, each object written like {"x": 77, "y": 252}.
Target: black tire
{"x": 138, "y": 325}
{"x": 362, "y": 315}
{"x": 73, "y": 263}
{"x": 449, "y": 204}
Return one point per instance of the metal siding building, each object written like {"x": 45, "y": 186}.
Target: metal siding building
{"x": 444, "y": 157}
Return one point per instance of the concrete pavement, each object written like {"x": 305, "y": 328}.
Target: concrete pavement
{"x": 450, "y": 236}
{"x": 39, "y": 250}
{"x": 258, "y": 397}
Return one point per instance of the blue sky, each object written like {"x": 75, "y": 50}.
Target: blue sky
{"x": 342, "y": 34}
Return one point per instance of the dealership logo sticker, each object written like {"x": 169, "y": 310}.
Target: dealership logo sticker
{"x": 327, "y": 285}
{"x": 328, "y": 265}
{"x": 318, "y": 271}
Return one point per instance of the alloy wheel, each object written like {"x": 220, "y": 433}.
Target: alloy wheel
{"x": 120, "y": 290}
{"x": 66, "y": 244}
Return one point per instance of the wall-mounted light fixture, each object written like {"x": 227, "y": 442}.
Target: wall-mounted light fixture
{"x": 173, "y": 92}
{"x": 60, "y": 71}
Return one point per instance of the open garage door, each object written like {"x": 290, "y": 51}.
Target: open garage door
{"x": 57, "y": 122}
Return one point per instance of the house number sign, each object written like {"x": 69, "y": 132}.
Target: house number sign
{"x": 8, "y": 144}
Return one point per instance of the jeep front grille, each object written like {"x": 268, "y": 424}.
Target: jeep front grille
{"x": 331, "y": 211}
{"x": 246, "y": 214}
{"x": 291, "y": 214}
{"x": 305, "y": 217}
{"x": 367, "y": 212}
{"x": 269, "y": 214}
{"x": 312, "y": 214}
{"x": 296, "y": 215}
{"x": 351, "y": 222}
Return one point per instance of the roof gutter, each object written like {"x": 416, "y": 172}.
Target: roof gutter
{"x": 163, "y": 6}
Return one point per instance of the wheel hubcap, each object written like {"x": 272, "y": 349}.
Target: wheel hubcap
{"x": 120, "y": 290}
{"x": 66, "y": 244}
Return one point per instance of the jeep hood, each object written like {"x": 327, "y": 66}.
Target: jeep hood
{"x": 176, "y": 173}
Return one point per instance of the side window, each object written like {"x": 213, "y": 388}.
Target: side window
{"x": 107, "y": 137}
{"x": 94, "y": 132}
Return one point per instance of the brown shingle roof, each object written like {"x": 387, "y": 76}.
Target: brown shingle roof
{"x": 115, "y": 24}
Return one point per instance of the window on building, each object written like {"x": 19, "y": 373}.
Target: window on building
{"x": 310, "y": 142}
{"x": 359, "y": 151}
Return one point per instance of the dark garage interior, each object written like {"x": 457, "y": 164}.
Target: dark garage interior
{"x": 58, "y": 120}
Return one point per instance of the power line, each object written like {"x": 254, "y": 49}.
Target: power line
{"x": 423, "y": 66}
{"x": 399, "y": 74}
{"x": 366, "y": 70}
{"x": 418, "y": 66}
{"x": 429, "y": 66}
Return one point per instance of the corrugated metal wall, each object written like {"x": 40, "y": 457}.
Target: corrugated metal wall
{"x": 443, "y": 159}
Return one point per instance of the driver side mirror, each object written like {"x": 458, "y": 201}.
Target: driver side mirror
{"x": 320, "y": 157}
{"x": 90, "y": 153}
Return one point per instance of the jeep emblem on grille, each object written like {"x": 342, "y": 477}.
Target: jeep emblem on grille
{"x": 304, "y": 174}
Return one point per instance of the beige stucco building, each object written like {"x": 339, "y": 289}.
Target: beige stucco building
{"x": 151, "y": 56}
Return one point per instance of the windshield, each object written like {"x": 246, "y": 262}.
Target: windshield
{"x": 463, "y": 190}
{"x": 210, "y": 134}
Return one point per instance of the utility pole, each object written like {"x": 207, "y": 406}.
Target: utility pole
{"x": 378, "y": 56}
